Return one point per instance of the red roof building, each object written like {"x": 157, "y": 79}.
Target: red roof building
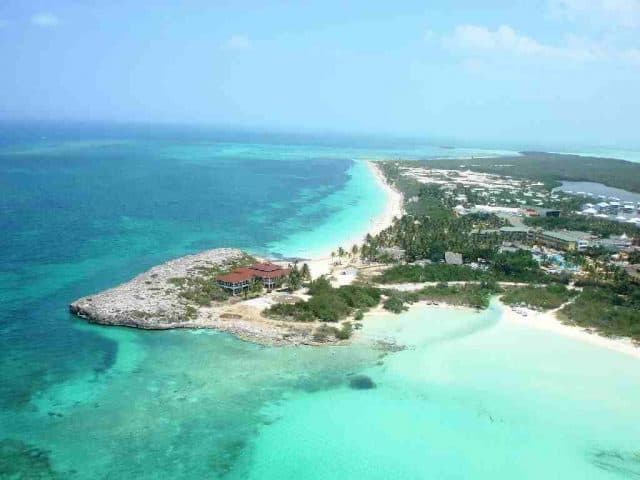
{"x": 270, "y": 274}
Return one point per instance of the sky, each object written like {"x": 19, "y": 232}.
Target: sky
{"x": 493, "y": 71}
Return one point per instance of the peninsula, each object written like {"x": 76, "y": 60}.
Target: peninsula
{"x": 455, "y": 235}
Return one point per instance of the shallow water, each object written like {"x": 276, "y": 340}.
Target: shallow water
{"x": 84, "y": 210}
{"x": 471, "y": 397}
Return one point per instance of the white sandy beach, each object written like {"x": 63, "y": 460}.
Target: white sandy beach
{"x": 394, "y": 208}
{"x": 547, "y": 321}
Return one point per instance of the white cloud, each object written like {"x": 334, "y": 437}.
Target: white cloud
{"x": 478, "y": 39}
{"x": 238, "y": 42}
{"x": 504, "y": 38}
{"x": 45, "y": 20}
{"x": 624, "y": 13}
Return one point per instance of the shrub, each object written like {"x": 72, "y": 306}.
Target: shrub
{"x": 345, "y": 332}
{"x": 395, "y": 304}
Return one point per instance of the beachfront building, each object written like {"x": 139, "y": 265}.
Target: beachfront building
{"x": 238, "y": 281}
{"x": 235, "y": 282}
{"x": 270, "y": 274}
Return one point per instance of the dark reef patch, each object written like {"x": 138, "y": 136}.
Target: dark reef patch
{"x": 361, "y": 382}
{"x": 625, "y": 464}
{"x": 19, "y": 460}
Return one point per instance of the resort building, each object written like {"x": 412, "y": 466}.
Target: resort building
{"x": 541, "y": 212}
{"x": 560, "y": 239}
{"x": 615, "y": 243}
{"x": 270, "y": 274}
{"x": 516, "y": 234}
{"x": 567, "y": 240}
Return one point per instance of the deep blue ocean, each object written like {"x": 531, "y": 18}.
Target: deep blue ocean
{"x": 85, "y": 208}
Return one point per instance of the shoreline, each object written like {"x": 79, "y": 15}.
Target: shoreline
{"x": 548, "y": 321}
{"x": 394, "y": 207}
{"x": 545, "y": 321}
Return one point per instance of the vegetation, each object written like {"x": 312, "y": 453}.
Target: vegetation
{"x": 200, "y": 286}
{"x": 597, "y": 226}
{"x": 611, "y": 308}
{"x": 539, "y": 298}
{"x": 327, "y": 303}
{"x": 324, "y": 331}
{"x": 634, "y": 257}
{"x": 553, "y": 168}
{"x": 345, "y": 332}
{"x": 517, "y": 266}
{"x": 202, "y": 291}
{"x": 429, "y": 238}
{"x": 440, "y": 272}
{"x": 469, "y": 295}
{"x": 429, "y": 199}
{"x": 294, "y": 279}
{"x": 396, "y": 303}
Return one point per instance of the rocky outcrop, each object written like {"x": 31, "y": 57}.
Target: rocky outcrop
{"x": 155, "y": 300}
{"x": 152, "y": 299}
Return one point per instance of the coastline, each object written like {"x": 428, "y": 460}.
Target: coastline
{"x": 245, "y": 320}
{"x": 546, "y": 321}
{"x": 549, "y": 322}
{"x": 394, "y": 207}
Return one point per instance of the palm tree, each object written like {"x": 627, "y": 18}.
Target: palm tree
{"x": 354, "y": 250}
{"x": 295, "y": 280}
{"x": 364, "y": 252}
{"x": 256, "y": 287}
{"x": 305, "y": 273}
{"x": 341, "y": 252}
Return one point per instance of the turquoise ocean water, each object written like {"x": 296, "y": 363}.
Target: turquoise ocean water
{"x": 84, "y": 209}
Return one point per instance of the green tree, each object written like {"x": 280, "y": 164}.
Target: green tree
{"x": 256, "y": 287}
{"x": 294, "y": 280}
{"x": 305, "y": 272}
